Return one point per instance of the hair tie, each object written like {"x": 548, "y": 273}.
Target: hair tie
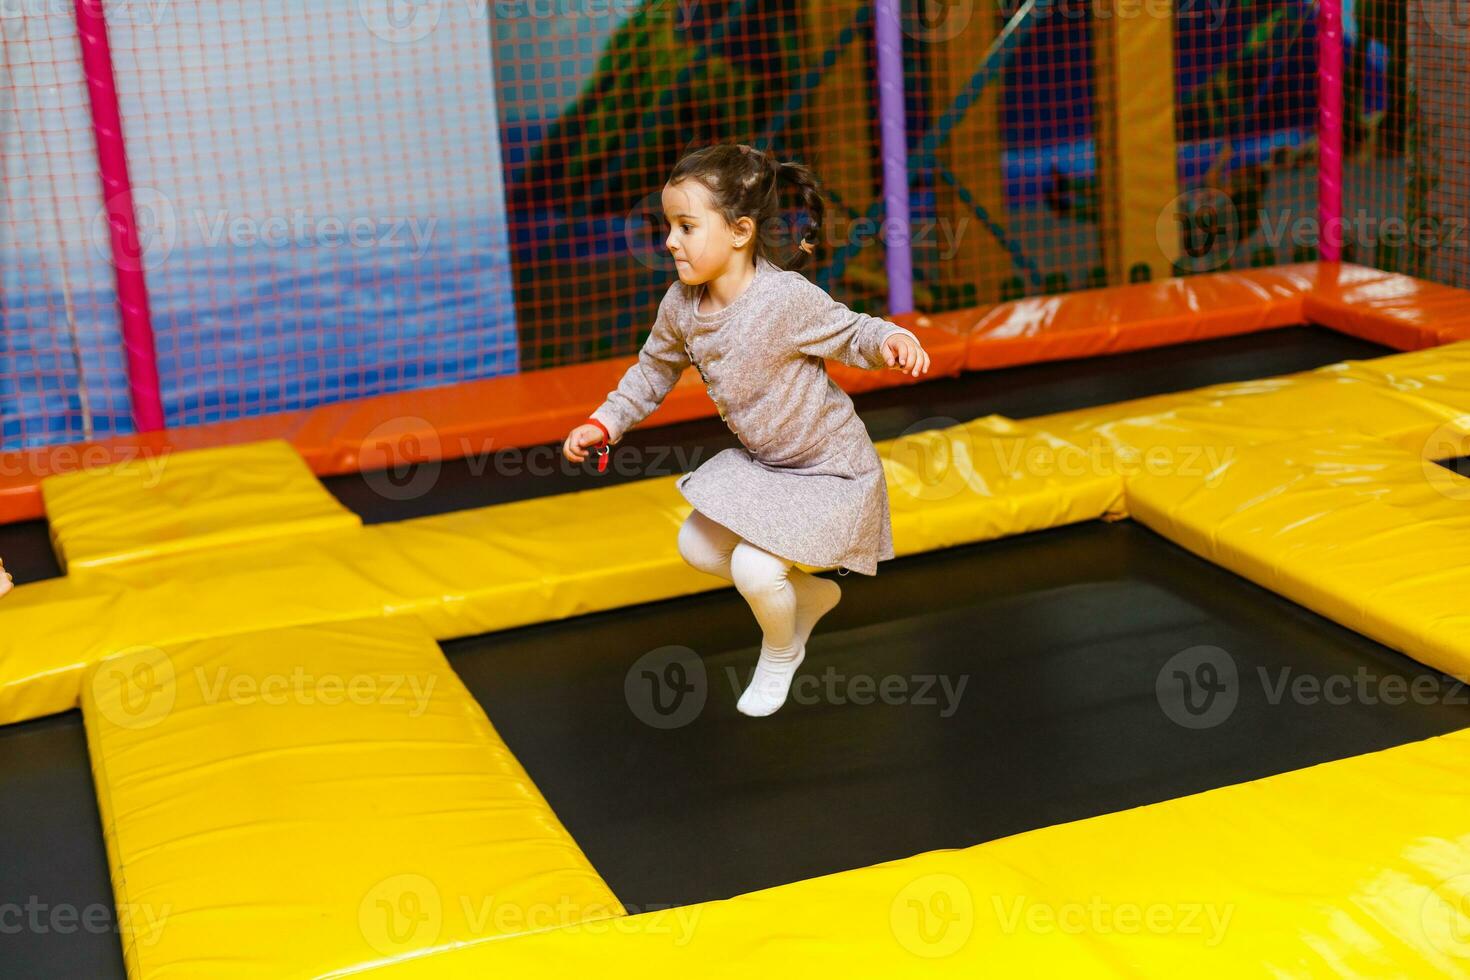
{"x": 809, "y": 248}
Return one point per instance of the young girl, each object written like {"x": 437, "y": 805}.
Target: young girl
{"x": 807, "y": 487}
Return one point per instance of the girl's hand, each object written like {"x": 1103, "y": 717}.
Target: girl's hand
{"x": 579, "y": 440}
{"x": 5, "y": 580}
{"x": 903, "y": 353}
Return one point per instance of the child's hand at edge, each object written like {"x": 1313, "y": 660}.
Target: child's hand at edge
{"x": 903, "y": 353}
{"x": 6, "y": 582}
{"x": 579, "y": 440}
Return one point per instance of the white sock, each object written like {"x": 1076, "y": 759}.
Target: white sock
{"x": 815, "y": 597}
{"x": 765, "y": 581}
{"x": 770, "y": 685}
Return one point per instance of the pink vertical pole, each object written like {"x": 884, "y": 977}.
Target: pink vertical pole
{"x": 117, "y": 193}
{"x": 1329, "y": 130}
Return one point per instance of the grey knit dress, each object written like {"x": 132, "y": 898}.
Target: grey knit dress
{"x": 807, "y": 484}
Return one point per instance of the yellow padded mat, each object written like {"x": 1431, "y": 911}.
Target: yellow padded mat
{"x": 1363, "y": 532}
{"x": 1322, "y": 872}
{"x": 192, "y": 501}
{"x": 297, "y": 802}
{"x": 493, "y": 568}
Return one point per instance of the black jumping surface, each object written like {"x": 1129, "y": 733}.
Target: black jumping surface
{"x": 1058, "y": 637}
{"x": 1023, "y": 690}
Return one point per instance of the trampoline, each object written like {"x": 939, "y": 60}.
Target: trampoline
{"x": 1022, "y": 682}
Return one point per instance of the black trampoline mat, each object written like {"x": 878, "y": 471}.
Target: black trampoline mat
{"x": 958, "y": 697}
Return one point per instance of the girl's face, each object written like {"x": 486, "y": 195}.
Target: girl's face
{"x": 700, "y": 240}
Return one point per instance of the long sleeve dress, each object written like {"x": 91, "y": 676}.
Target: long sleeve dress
{"x": 806, "y": 484}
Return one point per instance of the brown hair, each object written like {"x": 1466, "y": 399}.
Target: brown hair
{"x": 746, "y": 182}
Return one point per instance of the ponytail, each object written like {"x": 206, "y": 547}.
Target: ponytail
{"x": 804, "y": 182}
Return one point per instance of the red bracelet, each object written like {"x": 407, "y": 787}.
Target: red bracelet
{"x": 602, "y": 448}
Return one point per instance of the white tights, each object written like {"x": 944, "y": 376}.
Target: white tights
{"x": 786, "y": 600}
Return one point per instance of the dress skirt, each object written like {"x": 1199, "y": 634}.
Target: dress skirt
{"x": 825, "y": 507}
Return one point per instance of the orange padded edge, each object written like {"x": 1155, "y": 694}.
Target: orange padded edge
{"x": 528, "y": 409}
{"x": 1094, "y": 322}
{"x": 1388, "y": 308}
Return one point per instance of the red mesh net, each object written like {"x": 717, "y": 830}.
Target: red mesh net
{"x": 60, "y": 352}
{"x": 375, "y": 195}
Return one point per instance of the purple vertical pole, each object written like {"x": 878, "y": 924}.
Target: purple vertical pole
{"x": 888, "y": 35}
{"x": 117, "y": 195}
{"x": 1329, "y": 130}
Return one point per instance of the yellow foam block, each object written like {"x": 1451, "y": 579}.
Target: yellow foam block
{"x": 1366, "y": 533}
{"x": 191, "y": 501}
{"x": 476, "y": 571}
{"x": 1440, "y": 375}
{"x": 990, "y": 478}
{"x": 299, "y": 802}
{"x": 1355, "y": 868}
{"x": 1332, "y": 399}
